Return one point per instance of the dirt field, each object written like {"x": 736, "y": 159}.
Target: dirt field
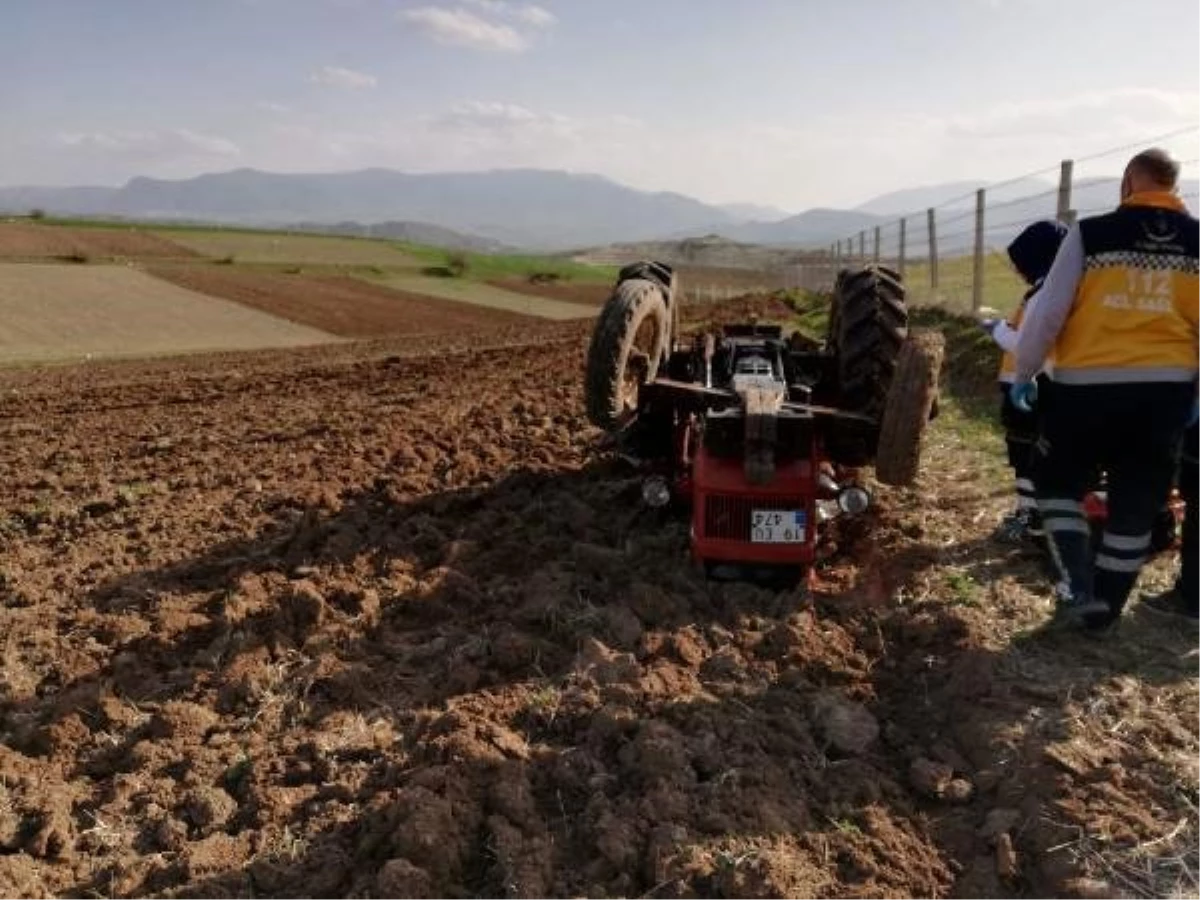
{"x": 726, "y": 296}
{"x": 339, "y": 305}
{"x": 337, "y": 623}
{"x": 529, "y": 303}
{"x": 27, "y": 240}
{"x": 246, "y": 247}
{"x": 566, "y": 291}
{"x": 57, "y": 312}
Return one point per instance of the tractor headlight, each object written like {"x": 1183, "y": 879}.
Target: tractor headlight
{"x": 656, "y": 493}
{"x": 853, "y": 500}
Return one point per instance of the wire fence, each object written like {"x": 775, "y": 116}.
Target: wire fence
{"x": 953, "y": 254}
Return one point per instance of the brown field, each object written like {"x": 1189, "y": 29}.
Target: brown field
{"x": 725, "y": 277}
{"x": 53, "y": 312}
{"x": 488, "y": 295}
{"x": 700, "y": 285}
{"x": 570, "y": 292}
{"x": 28, "y": 240}
{"x": 339, "y": 305}
{"x": 377, "y": 619}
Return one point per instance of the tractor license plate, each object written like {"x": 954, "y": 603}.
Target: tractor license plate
{"x": 777, "y": 526}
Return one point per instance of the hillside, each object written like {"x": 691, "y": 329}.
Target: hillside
{"x": 521, "y": 207}
{"x": 710, "y": 251}
{"x": 538, "y": 209}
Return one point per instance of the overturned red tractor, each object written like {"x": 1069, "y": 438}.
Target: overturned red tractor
{"x": 762, "y": 436}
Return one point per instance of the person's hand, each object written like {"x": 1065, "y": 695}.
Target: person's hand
{"x": 1023, "y": 395}
{"x": 989, "y": 325}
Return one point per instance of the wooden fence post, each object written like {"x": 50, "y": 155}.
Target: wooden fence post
{"x": 977, "y": 286}
{"x": 1065, "y": 180}
{"x": 933, "y": 254}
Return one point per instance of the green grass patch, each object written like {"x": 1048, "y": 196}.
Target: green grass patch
{"x": 1002, "y": 286}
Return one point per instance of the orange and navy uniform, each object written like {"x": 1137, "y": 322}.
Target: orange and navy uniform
{"x": 1132, "y": 316}
{"x": 1008, "y": 362}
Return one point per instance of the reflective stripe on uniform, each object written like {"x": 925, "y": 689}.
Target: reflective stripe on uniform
{"x": 1123, "y": 375}
{"x": 1062, "y": 515}
{"x": 1133, "y": 259}
{"x": 1116, "y": 564}
{"x": 1126, "y": 541}
{"x": 1060, "y": 505}
{"x": 1061, "y": 524}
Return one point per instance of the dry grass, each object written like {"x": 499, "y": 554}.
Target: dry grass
{"x": 310, "y": 249}
{"x": 1164, "y": 866}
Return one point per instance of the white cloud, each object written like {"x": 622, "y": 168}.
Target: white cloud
{"x": 487, "y": 114}
{"x": 1147, "y": 107}
{"x": 272, "y": 107}
{"x": 336, "y": 76}
{"x": 150, "y": 144}
{"x": 462, "y": 28}
{"x": 526, "y": 13}
{"x": 537, "y": 16}
{"x": 497, "y": 25}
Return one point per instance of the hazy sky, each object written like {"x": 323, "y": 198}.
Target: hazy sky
{"x": 792, "y": 103}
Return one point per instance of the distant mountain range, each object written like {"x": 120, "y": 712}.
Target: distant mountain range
{"x": 518, "y": 207}
{"x": 531, "y": 208}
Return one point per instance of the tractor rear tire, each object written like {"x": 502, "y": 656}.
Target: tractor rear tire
{"x": 908, "y": 409}
{"x": 628, "y": 343}
{"x": 871, "y": 321}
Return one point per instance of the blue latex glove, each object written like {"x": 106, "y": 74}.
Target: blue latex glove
{"x": 989, "y": 325}
{"x": 1023, "y": 395}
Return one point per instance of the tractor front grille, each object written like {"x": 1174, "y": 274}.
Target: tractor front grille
{"x": 727, "y": 516}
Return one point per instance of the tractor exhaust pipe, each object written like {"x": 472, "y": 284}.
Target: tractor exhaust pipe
{"x": 709, "y": 349}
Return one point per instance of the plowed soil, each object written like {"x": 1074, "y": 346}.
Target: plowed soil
{"x": 27, "y": 240}
{"x": 571, "y": 292}
{"x": 336, "y": 304}
{"x": 342, "y": 623}
{"x": 698, "y": 284}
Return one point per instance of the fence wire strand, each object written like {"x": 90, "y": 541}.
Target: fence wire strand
{"x": 957, "y": 232}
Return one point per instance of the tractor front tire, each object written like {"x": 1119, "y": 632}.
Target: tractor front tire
{"x": 628, "y": 343}
{"x": 908, "y": 409}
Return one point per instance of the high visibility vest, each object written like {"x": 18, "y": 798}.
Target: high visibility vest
{"x": 1008, "y": 361}
{"x": 1134, "y": 318}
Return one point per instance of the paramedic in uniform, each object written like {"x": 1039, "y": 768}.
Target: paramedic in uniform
{"x": 1118, "y": 312}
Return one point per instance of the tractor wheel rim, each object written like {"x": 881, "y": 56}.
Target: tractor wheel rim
{"x": 637, "y": 364}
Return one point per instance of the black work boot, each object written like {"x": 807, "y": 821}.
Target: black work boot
{"x": 1171, "y": 602}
